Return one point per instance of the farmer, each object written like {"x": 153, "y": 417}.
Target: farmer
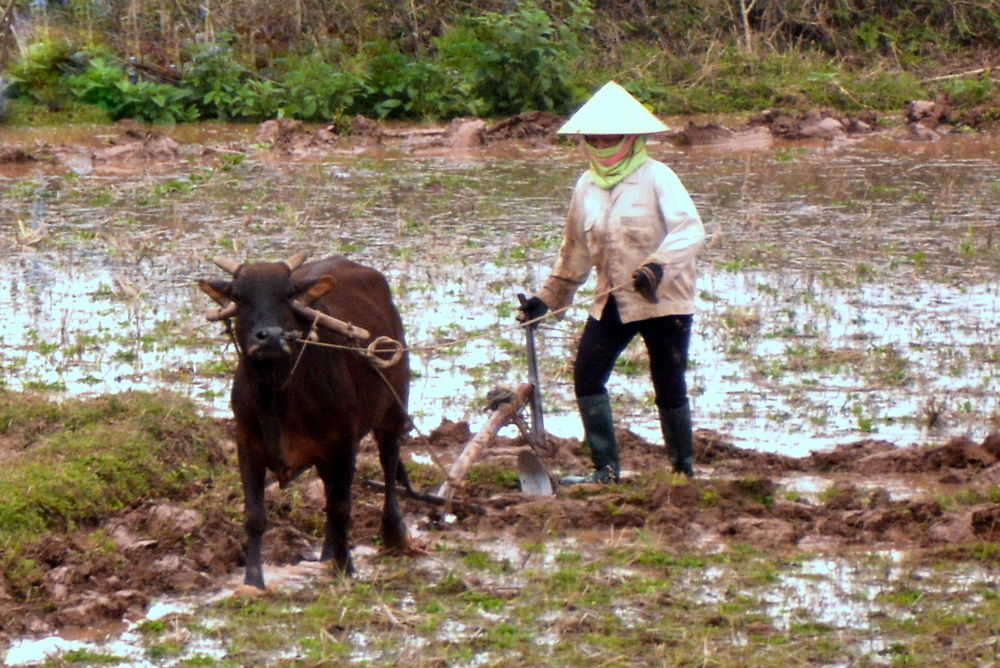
{"x": 632, "y": 219}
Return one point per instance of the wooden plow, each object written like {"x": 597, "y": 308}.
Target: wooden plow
{"x": 532, "y": 473}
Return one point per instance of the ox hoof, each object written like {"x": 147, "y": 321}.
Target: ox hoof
{"x": 414, "y": 550}
{"x": 408, "y": 548}
{"x": 345, "y": 568}
{"x": 248, "y": 591}
{"x": 395, "y": 537}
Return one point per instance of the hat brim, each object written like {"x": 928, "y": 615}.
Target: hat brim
{"x": 612, "y": 111}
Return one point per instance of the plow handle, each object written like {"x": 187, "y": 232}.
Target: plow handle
{"x": 537, "y": 423}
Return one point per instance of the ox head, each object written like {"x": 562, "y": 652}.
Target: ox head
{"x": 264, "y": 298}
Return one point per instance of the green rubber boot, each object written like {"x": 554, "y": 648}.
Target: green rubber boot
{"x": 678, "y": 436}
{"x": 599, "y": 432}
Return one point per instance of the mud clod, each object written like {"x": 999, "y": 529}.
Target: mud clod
{"x": 172, "y": 547}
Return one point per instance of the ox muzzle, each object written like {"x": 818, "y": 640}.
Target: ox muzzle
{"x": 271, "y": 343}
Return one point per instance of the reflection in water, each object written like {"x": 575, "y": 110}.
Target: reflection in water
{"x": 847, "y": 293}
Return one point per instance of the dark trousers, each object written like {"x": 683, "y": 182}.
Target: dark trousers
{"x": 666, "y": 338}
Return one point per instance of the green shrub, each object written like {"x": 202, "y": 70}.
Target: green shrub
{"x": 969, "y": 92}
{"x": 515, "y": 63}
{"x": 104, "y": 83}
{"x": 217, "y": 80}
{"x": 314, "y": 89}
{"x": 37, "y": 75}
{"x": 27, "y": 113}
{"x": 398, "y": 85}
{"x": 439, "y": 62}
{"x": 743, "y": 82}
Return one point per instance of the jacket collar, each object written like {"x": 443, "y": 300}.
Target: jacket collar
{"x": 631, "y": 179}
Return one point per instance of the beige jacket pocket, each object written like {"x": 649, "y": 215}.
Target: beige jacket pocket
{"x": 641, "y": 232}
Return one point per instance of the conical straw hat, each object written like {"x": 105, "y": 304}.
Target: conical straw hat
{"x": 612, "y": 111}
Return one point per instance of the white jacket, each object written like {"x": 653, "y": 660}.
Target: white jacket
{"x": 647, "y": 217}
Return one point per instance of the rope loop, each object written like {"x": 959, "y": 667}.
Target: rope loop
{"x": 395, "y": 347}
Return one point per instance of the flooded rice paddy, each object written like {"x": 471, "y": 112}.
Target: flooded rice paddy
{"x": 849, "y": 290}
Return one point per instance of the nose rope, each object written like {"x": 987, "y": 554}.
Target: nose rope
{"x": 232, "y": 336}
{"x": 310, "y": 336}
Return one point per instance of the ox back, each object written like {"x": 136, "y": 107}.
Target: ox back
{"x": 297, "y": 407}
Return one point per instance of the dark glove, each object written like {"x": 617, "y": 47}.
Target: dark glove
{"x": 531, "y": 308}
{"x": 646, "y": 279}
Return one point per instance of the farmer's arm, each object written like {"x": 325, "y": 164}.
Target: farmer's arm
{"x": 574, "y": 262}
{"x": 685, "y": 232}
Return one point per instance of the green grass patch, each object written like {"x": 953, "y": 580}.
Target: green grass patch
{"x": 72, "y": 463}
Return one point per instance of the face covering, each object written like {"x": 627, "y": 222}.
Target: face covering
{"x": 611, "y": 165}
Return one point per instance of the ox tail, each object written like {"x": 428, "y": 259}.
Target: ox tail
{"x": 403, "y": 479}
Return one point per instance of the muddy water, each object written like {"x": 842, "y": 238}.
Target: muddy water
{"x": 848, "y": 291}
{"x": 844, "y": 594}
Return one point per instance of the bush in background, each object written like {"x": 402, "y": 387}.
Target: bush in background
{"x": 327, "y": 61}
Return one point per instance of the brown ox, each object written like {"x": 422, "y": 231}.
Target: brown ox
{"x": 296, "y": 406}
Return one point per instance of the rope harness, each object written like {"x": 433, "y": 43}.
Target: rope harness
{"x": 373, "y": 352}
{"x": 396, "y": 349}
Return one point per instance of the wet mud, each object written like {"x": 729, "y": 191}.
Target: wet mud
{"x": 132, "y": 145}
{"x": 739, "y": 496}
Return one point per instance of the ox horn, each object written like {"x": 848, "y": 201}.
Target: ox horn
{"x": 294, "y": 261}
{"x": 328, "y": 321}
{"x": 227, "y": 311}
{"x": 226, "y": 264}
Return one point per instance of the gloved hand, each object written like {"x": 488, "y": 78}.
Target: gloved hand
{"x": 646, "y": 279}
{"x": 531, "y": 308}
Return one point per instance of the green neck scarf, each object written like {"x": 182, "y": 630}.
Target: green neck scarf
{"x": 610, "y": 165}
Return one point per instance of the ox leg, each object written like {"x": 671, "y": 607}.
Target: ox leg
{"x": 337, "y": 485}
{"x": 394, "y": 535}
{"x": 255, "y": 519}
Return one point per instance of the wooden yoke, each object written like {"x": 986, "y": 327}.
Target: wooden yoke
{"x": 331, "y": 323}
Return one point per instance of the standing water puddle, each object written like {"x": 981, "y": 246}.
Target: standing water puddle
{"x": 847, "y": 292}
{"x": 836, "y": 594}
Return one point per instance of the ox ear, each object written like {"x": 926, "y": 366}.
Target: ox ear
{"x": 310, "y": 291}
{"x": 217, "y": 290}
